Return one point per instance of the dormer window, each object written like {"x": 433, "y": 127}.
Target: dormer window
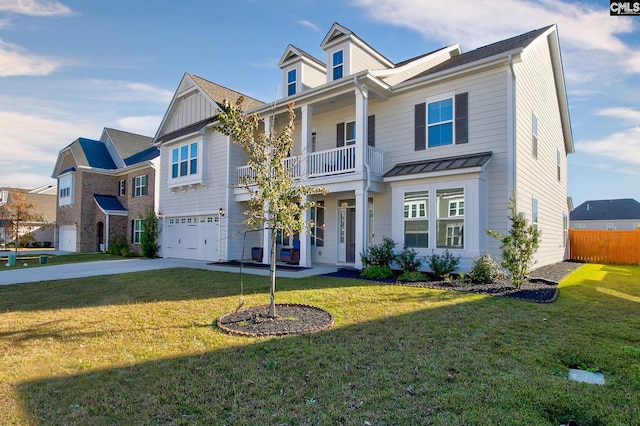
{"x": 338, "y": 64}
{"x": 291, "y": 82}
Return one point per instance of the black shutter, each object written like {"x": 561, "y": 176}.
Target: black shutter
{"x": 371, "y": 128}
{"x": 133, "y": 230}
{"x": 340, "y": 135}
{"x": 420, "y": 127}
{"x": 146, "y": 185}
{"x": 462, "y": 118}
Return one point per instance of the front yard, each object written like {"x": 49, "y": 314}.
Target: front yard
{"x": 141, "y": 349}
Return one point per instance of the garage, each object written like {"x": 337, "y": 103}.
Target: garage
{"x": 193, "y": 237}
{"x": 67, "y": 238}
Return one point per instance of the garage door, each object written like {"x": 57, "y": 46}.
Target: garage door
{"x": 193, "y": 237}
{"x": 67, "y": 238}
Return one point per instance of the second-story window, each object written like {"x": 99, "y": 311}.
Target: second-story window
{"x": 140, "y": 185}
{"x": 440, "y": 122}
{"x": 184, "y": 160}
{"x": 291, "y": 82}
{"x": 534, "y": 136}
{"x": 338, "y": 64}
{"x": 122, "y": 187}
{"x": 350, "y": 133}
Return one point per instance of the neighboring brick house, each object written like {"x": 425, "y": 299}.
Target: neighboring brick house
{"x": 620, "y": 214}
{"x": 44, "y": 201}
{"x": 105, "y": 187}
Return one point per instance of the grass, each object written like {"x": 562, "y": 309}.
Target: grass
{"x": 141, "y": 349}
{"x": 33, "y": 260}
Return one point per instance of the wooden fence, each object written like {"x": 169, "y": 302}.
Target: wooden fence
{"x": 613, "y": 247}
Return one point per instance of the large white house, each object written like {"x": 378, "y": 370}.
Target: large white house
{"x": 426, "y": 151}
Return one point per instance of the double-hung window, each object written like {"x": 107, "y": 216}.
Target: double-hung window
{"x": 317, "y": 230}
{"x": 140, "y": 185}
{"x": 184, "y": 160}
{"x": 450, "y": 220}
{"x": 534, "y": 135}
{"x": 534, "y": 212}
{"x": 122, "y": 187}
{"x": 138, "y": 228}
{"x": 291, "y": 82}
{"x": 416, "y": 219}
{"x": 338, "y": 64}
{"x": 440, "y": 122}
{"x": 65, "y": 190}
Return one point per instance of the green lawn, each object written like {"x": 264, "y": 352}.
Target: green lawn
{"x": 141, "y": 349}
{"x": 33, "y": 260}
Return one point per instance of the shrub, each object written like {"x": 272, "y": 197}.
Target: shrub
{"x": 379, "y": 254}
{"x": 408, "y": 260}
{"x": 444, "y": 264}
{"x": 149, "y": 237}
{"x": 118, "y": 247}
{"x": 413, "y": 276}
{"x": 485, "y": 270}
{"x": 376, "y": 272}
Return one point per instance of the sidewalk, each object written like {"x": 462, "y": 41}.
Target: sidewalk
{"x": 111, "y": 267}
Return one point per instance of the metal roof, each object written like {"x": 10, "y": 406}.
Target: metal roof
{"x": 109, "y": 203}
{"x": 440, "y": 164}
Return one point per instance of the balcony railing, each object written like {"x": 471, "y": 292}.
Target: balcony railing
{"x": 323, "y": 163}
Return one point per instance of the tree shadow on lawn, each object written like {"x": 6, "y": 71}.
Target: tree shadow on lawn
{"x": 443, "y": 365}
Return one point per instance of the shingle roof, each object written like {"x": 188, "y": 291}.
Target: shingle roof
{"x": 128, "y": 143}
{"x": 146, "y": 155}
{"x": 220, "y": 93}
{"x": 518, "y": 42}
{"x": 440, "y": 164}
{"x": 625, "y": 208}
{"x": 109, "y": 203}
{"x": 191, "y": 128}
{"x": 96, "y": 154}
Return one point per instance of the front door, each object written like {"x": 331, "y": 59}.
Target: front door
{"x": 351, "y": 235}
{"x": 346, "y": 231}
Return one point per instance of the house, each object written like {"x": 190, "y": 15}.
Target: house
{"x": 426, "y": 151}
{"x": 105, "y": 188}
{"x": 606, "y": 214}
{"x": 43, "y": 199}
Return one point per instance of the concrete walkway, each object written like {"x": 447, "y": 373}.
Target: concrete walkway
{"x": 126, "y": 265}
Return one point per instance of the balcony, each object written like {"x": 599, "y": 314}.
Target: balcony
{"x": 330, "y": 162}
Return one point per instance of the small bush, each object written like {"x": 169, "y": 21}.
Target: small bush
{"x": 444, "y": 264}
{"x": 485, "y": 270}
{"x": 408, "y": 260}
{"x": 413, "y": 276}
{"x": 379, "y": 254}
{"x": 376, "y": 272}
{"x": 118, "y": 247}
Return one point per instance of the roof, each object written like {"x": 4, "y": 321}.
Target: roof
{"x": 128, "y": 143}
{"x": 621, "y": 209}
{"x": 142, "y": 156}
{"x": 503, "y": 46}
{"x": 187, "y": 130}
{"x": 109, "y": 203}
{"x": 439, "y": 164}
{"x": 96, "y": 154}
{"x": 219, "y": 93}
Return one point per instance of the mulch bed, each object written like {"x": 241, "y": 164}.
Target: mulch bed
{"x": 542, "y": 287}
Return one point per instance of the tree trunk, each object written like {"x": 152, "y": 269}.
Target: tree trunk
{"x": 272, "y": 275}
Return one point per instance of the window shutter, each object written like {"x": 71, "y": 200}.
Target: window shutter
{"x": 462, "y": 118}
{"x": 340, "y": 135}
{"x": 133, "y": 230}
{"x": 420, "y": 126}
{"x": 146, "y": 185}
{"x": 371, "y": 129}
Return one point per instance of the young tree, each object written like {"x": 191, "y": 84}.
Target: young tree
{"x": 277, "y": 199}
{"x": 149, "y": 237}
{"x": 519, "y": 246}
{"x": 19, "y": 217}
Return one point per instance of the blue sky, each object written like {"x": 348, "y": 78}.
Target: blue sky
{"x": 69, "y": 68}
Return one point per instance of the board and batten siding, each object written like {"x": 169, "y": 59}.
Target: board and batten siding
{"x": 191, "y": 109}
{"x": 537, "y": 177}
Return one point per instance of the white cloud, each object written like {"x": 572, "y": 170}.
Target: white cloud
{"x": 308, "y": 24}
{"x": 629, "y": 114}
{"x": 35, "y": 7}
{"x": 146, "y": 125}
{"x": 622, "y": 146}
{"x": 128, "y": 91}
{"x": 14, "y": 61}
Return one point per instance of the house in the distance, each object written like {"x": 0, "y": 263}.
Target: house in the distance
{"x": 43, "y": 199}
{"x": 621, "y": 214}
{"x": 105, "y": 188}
{"x": 426, "y": 151}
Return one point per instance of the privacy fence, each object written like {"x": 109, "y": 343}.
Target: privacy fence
{"x": 614, "y": 247}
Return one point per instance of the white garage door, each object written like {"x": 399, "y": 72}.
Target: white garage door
{"x": 67, "y": 238}
{"x": 193, "y": 237}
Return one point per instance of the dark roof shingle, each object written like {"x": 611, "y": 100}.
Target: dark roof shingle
{"x": 621, "y": 209}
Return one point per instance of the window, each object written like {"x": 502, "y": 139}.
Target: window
{"x": 534, "y": 135}
{"x": 317, "y": 231}
{"x": 140, "y": 185}
{"x": 416, "y": 219}
{"x": 450, "y": 218}
{"x": 138, "y": 228}
{"x": 442, "y": 121}
{"x": 338, "y": 64}
{"x": 122, "y": 187}
{"x": 314, "y": 141}
{"x": 611, "y": 226}
{"x": 65, "y": 190}
{"x": 350, "y": 133}
{"x": 291, "y": 82}
{"x": 565, "y": 229}
{"x": 579, "y": 226}
{"x": 184, "y": 160}
{"x": 558, "y": 164}
{"x": 534, "y": 212}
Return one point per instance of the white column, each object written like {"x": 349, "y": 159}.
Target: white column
{"x": 106, "y": 237}
{"x": 266, "y": 233}
{"x": 362, "y": 224}
{"x": 305, "y": 240}
{"x": 362, "y": 111}
{"x": 305, "y": 135}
